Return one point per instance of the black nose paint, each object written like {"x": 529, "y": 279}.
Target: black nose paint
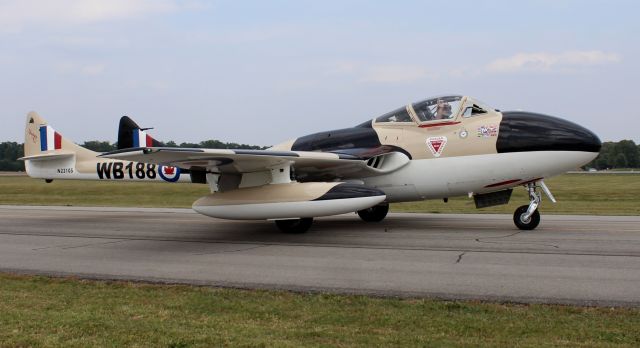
{"x": 524, "y": 131}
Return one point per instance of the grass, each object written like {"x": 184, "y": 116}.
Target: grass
{"x": 40, "y": 311}
{"x": 602, "y": 194}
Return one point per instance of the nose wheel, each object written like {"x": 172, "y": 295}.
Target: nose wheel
{"x": 523, "y": 222}
{"x": 527, "y": 217}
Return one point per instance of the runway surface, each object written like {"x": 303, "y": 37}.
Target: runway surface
{"x": 582, "y": 260}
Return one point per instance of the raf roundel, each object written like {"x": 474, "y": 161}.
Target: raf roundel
{"x": 170, "y": 174}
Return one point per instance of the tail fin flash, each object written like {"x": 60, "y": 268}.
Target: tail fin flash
{"x": 131, "y": 135}
{"x": 49, "y": 139}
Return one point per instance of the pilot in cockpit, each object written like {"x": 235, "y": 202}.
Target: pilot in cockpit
{"x": 424, "y": 113}
{"x": 443, "y": 110}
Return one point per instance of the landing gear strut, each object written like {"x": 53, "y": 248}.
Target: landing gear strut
{"x": 374, "y": 214}
{"x": 294, "y": 225}
{"x": 527, "y": 217}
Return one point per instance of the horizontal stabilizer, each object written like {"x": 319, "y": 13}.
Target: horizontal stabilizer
{"x": 47, "y": 156}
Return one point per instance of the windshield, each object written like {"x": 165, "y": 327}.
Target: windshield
{"x": 399, "y": 115}
{"x": 474, "y": 107}
{"x": 441, "y": 108}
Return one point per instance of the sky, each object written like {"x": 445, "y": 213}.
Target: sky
{"x": 262, "y": 72}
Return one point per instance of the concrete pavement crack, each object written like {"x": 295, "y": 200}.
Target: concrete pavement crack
{"x": 480, "y": 240}
{"x": 233, "y": 251}
{"x": 64, "y": 247}
{"x": 460, "y": 257}
{"x": 91, "y": 244}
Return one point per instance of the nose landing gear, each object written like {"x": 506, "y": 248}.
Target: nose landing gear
{"x": 527, "y": 217}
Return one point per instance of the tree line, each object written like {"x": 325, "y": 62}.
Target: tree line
{"x": 621, "y": 154}
{"x": 10, "y": 151}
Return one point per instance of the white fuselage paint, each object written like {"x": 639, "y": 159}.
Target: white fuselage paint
{"x": 457, "y": 176}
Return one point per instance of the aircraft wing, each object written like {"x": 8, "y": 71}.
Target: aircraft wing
{"x": 308, "y": 165}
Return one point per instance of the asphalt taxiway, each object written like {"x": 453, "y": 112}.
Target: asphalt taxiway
{"x": 585, "y": 260}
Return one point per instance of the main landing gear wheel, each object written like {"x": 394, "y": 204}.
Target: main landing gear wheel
{"x": 294, "y": 225}
{"x": 524, "y": 223}
{"x": 374, "y": 214}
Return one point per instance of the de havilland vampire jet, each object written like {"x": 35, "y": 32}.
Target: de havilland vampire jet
{"x": 433, "y": 149}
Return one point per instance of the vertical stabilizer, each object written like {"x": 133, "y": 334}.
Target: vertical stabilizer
{"x": 42, "y": 139}
{"x": 130, "y": 135}
{"x": 48, "y": 154}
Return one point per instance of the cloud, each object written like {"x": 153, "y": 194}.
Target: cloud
{"x": 17, "y": 14}
{"x": 543, "y": 61}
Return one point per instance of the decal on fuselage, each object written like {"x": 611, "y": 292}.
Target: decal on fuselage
{"x": 487, "y": 131}
{"x": 135, "y": 170}
{"x": 436, "y": 145}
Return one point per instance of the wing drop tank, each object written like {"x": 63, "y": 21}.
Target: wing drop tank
{"x": 289, "y": 201}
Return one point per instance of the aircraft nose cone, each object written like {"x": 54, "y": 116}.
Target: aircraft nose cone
{"x": 525, "y": 131}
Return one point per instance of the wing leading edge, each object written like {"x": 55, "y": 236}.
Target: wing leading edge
{"x": 308, "y": 165}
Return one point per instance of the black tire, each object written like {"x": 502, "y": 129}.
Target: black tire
{"x": 374, "y": 214}
{"x": 533, "y": 222}
{"x": 295, "y": 225}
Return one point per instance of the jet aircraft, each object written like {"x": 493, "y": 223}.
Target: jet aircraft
{"x": 436, "y": 148}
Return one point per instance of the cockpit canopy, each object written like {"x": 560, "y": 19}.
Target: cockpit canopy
{"x": 441, "y": 108}
{"x": 436, "y": 109}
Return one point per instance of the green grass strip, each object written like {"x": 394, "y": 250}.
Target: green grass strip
{"x": 44, "y": 312}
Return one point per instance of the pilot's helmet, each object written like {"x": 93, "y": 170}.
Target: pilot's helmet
{"x": 446, "y": 110}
